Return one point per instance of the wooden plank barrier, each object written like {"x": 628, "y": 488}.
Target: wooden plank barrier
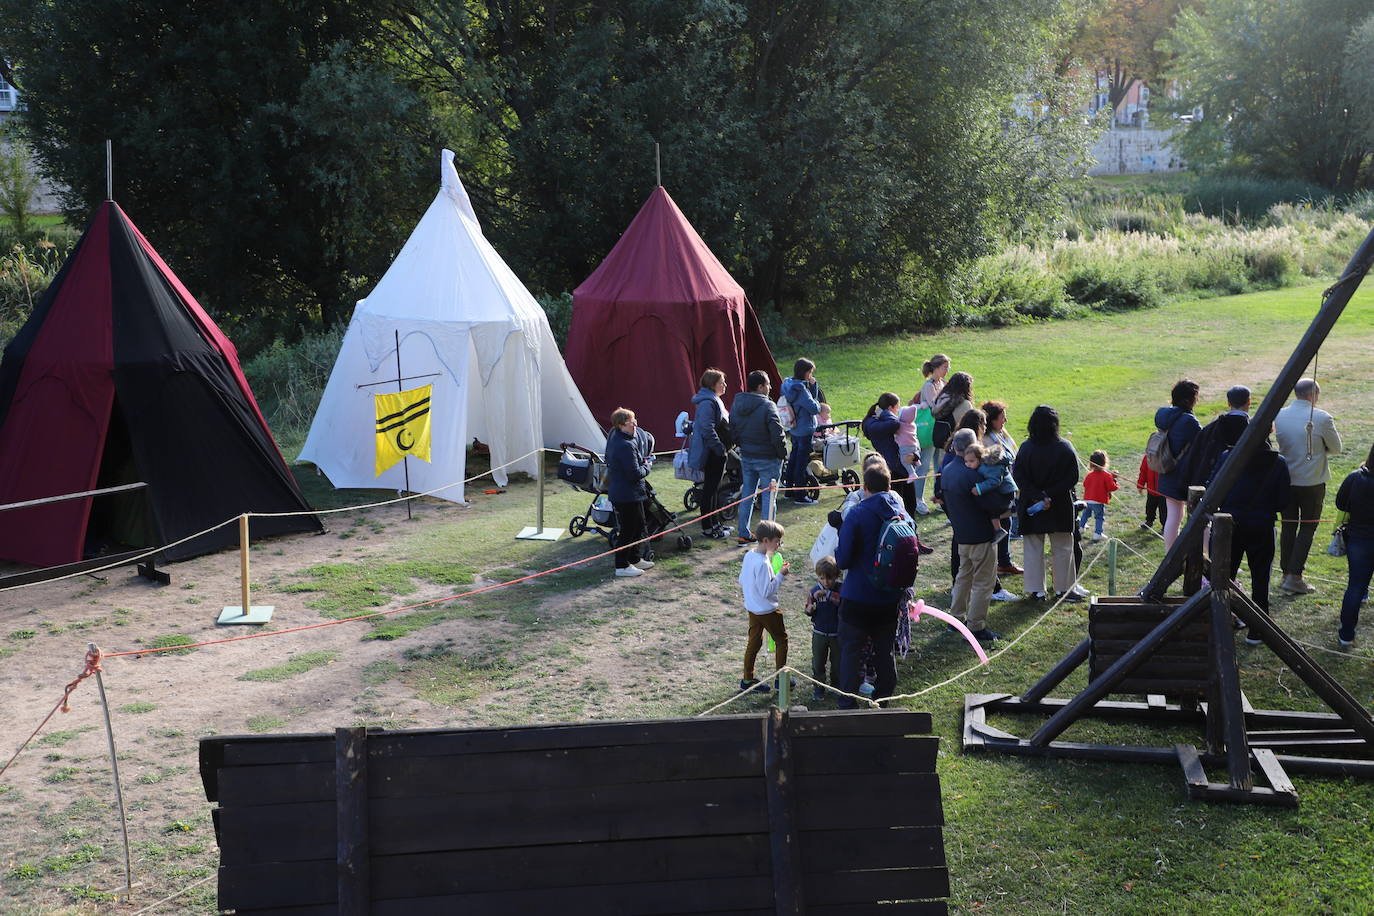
{"x": 804, "y": 812}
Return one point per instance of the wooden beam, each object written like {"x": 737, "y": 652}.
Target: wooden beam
{"x": 1334, "y": 301}
{"x": 67, "y": 497}
{"x": 1228, "y": 708}
{"x": 782, "y": 815}
{"x": 1119, "y": 671}
{"x": 1192, "y": 562}
{"x": 1055, "y": 676}
{"x": 350, "y": 792}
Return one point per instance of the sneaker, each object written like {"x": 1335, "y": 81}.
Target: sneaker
{"x": 1003, "y": 595}
{"x": 752, "y": 682}
{"x": 986, "y": 635}
{"x": 1253, "y": 640}
{"x": 746, "y": 539}
{"x": 793, "y": 685}
{"x": 866, "y": 689}
{"x": 645, "y": 565}
{"x": 1012, "y": 570}
{"x": 1302, "y": 588}
{"x": 1144, "y": 526}
{"x": 1344, "y": 642}
{"x": 922, "y": 508}
{"x": 1070, "y": 595}
{"x": 629, "y": 571}
{"x": 804, "y": 501}
{"x": 1097, "y": 535}
{"x": 715, "y": 534}
{"x": 1037, "y": 596}
{"x": 817, "y": 694}
{"x": 1080, "y": 591}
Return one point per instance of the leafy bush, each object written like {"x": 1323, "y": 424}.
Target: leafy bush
{"x": 1243, "y": 198}
{"x": 288, "y": 380}
{"x": 25, "y": 272}
{"x": 559, "y": 311}
{"x": 1006, "y": 289}
{"x": 1113, "y": 287}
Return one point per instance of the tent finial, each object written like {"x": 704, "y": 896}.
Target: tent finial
{"x": 658, "y": 168}
{"x": 109, "y": 170}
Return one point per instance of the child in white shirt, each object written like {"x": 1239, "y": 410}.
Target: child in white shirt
{"x": 760, "y": 586}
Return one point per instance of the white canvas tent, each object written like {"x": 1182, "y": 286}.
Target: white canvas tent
{"x": 468, "y": 326}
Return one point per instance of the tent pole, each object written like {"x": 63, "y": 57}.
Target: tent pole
{"x": 405, "y": 459}
{"x": 109, "y": 170}
{"x": 658, "y": 168}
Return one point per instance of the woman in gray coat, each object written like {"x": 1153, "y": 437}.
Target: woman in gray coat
{"x": 708, "y": 445}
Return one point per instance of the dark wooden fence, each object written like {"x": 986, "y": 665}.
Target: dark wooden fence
{"x": 750, "y": 814}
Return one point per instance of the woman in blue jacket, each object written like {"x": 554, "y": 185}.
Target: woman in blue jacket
{"x": 1178, "y": 421}
{"x": 626, "y": 469}
{"x": 708, "y": 445}
{"x": 804, "y": 395}
{"x": 880, "y": 426}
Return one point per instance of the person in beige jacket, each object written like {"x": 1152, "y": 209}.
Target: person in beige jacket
{"x": 1306, "y": 436}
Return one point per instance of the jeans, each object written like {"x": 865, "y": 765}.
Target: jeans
{"x": 1359, "y": 553}
{"x": 710, "y": 490}
{"x": 1098, "y": 512}
{"x": 1295, "y": 538}
{"x": 858, "y": 624}
{"x": 797, "y": 460}
{"x": 755, "y": 473}
{"x": 927, "y": 468}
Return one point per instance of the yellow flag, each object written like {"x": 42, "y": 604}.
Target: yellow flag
{"x": 403, "y": 426}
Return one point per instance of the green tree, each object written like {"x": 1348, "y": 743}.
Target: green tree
{"x": 1281, "y": 95}
{"x": 839, "y": 157}
{"x": 18, "y": 184}
{"x": 263, "y": 145}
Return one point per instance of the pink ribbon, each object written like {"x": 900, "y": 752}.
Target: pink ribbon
{"x": 919, "y": 607}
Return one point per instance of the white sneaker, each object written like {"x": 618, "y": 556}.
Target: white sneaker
{"x": 1097, "y": 535}
{"x": 629, "y": 571}
{"x": 645, "y": 564}
{"x": 1080, "y": 591}
{"x": 1003, "y": 595}
{"x": 922, "y": 508}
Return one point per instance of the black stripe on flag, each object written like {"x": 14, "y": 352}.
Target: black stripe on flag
{"x": 402, "y": 422}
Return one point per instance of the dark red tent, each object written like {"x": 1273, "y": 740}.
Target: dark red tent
{"x": 658, "y": 312}
{"x": 120, "y": 377}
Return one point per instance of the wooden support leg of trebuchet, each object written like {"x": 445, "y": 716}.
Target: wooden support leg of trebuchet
{"x": 244, "y": 612}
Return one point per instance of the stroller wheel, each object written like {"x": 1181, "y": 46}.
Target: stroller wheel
{"x": 815, "y": 487}
{"x": 850, "y": 479}
{"x": 684, "y": 542}
{"x": 577, "y": 526}
{"x": 613, "y": 538}
{"x": 729, "y": 496}
{"x": 692, "y": 499}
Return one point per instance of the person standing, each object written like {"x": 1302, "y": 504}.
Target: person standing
{"x": 626, "y": 470}
{"x": 973, "y": 534}
{"x": 881, "y": 426}
{"x": 802, "y": 394}
{"x": 1046, "y": 470}
{"x": 1253, "y": 502}
{"x": 1355, "y": 498}
{"x": 867, "y": 613}
{"x": 707, "y": 448}
{"x": 995, "y": 412}
{"x": 757, "y": 429}
{"x": 1306, "y": 436}
{"x": 934, "y": 369}
{"x": 1182, "y": 427}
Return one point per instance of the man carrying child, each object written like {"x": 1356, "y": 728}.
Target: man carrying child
{"x": 972, "y": 514}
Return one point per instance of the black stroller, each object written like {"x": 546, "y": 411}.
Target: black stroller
{"x": 583, "y": 469}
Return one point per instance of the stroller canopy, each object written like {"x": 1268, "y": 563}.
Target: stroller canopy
{"x": 657, "y": 313}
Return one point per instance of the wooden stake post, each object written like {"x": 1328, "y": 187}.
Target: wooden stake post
{"x": 245, "y": 612}
{"x": 539, "y": 532}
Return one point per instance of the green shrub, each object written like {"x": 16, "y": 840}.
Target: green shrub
{"x": 559, "y": 311}
{"x": 1113, "y": 288}
{"x": 1004, "y": 290}
{"x": 1271, "y": 265}
{"x": 1246, "y": 198}
{"x": 288, "y": 381}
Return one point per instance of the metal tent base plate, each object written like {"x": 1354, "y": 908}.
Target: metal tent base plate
{"x": 256, "y": 615}
{"x": 539, "y": 534}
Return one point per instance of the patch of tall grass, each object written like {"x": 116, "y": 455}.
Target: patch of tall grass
{"x": 288, "y": 381}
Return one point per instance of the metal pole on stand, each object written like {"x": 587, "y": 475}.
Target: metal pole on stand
{"x": 405, "y": 459}
{"x": 784, "y": 680}
{"x": 109, "y": 170}
{"x": 245, "y": 612}
{"x": 538, "y": 532}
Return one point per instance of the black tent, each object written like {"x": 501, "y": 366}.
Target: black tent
{"x": 120, "y": 377}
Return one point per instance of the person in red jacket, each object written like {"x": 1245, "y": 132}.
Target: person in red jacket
{"x": 1098, "y": 488}
{"x": 1147, "y": 481}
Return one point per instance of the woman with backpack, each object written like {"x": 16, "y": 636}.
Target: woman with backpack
{"x": 803, "y": 396}
{"x": 1179, "y": 427}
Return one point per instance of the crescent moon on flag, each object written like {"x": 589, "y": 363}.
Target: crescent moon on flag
{"x": 403, "y": 446}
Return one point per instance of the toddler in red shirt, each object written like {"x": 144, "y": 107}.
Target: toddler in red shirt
{"x": 1147, "y": 482}
{"x": 1098, "y": 487}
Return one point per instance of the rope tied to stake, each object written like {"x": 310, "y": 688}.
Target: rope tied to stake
{"x": 93, "y": 657}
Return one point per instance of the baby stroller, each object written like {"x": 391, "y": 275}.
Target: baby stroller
{"x": 834, "y": 458}
{"x": 730, "y": 481}
{"x": 583, "y": 469}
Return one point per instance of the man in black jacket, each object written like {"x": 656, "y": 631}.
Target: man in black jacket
{"x": 757, "y": 429}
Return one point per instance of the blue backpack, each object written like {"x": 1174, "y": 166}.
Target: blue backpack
{"x": 897, "y": 557}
